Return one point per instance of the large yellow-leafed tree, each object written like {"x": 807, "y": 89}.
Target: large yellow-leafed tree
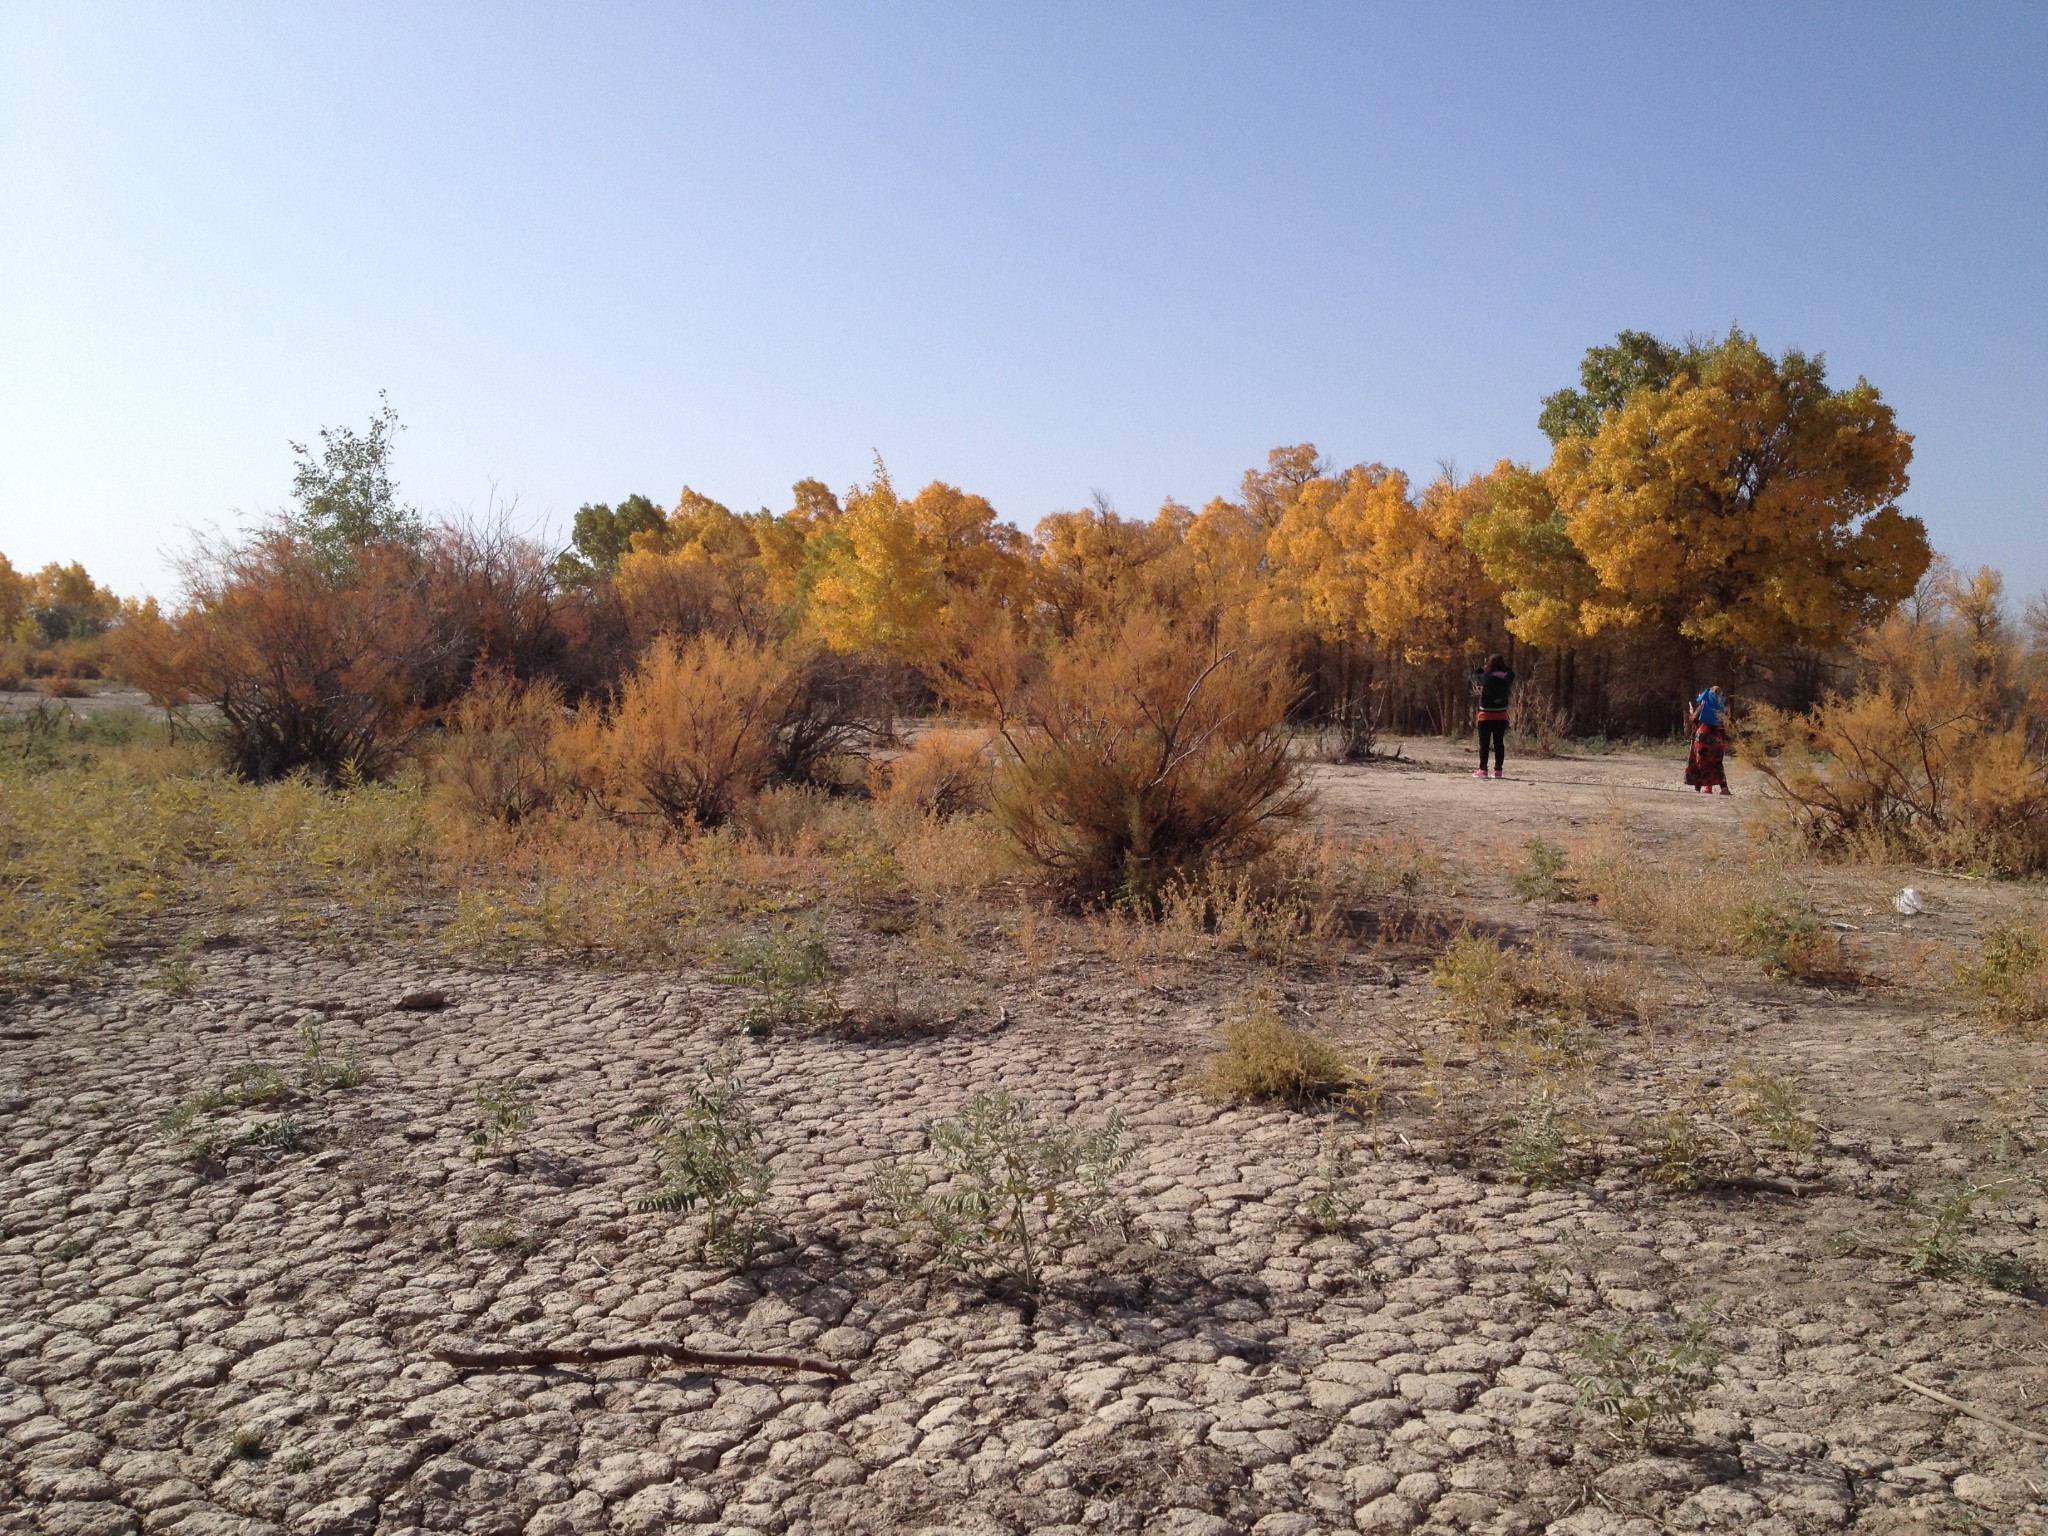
{"x": 897, "y": 567}
{"x": 1741, "y": 502}
{"x": 1522, "y": 544}
{"x": 698, "y": 570}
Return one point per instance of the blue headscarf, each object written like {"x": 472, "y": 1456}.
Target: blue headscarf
{"x": 1710, "y": 708}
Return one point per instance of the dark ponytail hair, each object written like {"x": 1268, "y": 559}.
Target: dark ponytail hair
{"x": 1496, "y": 662}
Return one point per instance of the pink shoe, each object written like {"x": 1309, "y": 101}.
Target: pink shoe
{"x": 1480, "y": 774}
{"x": 1498, "y": 774}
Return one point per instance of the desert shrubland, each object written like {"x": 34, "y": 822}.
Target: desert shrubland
{"x": 1938, "y": 750}
{"x": 691, "y": 736}
{"x": 1138, "y": 753}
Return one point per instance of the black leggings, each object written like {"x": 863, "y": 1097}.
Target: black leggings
{"x": 1495, "y": 731}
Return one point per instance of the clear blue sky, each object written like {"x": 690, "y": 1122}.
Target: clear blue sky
{"x": 1037, "y": 250}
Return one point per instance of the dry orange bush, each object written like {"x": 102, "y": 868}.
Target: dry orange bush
{"x": 498, "y": 761}
{"x": 945, "y": 772}
{"x": 692, "y": 735}
{"x": 1933, "y": 758}
{"x": 307, "y": 671}
{"x": 1140, "y": 751}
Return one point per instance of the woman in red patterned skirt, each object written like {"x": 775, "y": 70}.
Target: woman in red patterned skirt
{"x": 1708, "y": 716}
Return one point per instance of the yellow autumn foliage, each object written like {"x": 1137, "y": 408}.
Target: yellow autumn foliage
{"x": 1745, "y": 505}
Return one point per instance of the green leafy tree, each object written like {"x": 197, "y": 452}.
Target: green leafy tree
{"x": 1607, "y": 377}
{"x": 601, "y": 534}
{"x": 347, "y": 498}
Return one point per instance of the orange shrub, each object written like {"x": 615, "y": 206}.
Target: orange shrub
{"x": 945, "y": 771}
{"x": 1139, "y": 751}
{"x": 1934, "y": 757}
{"x": 692, "y": 735}
{"x": 308, "y": 670}
{"x": 498, "y": 761}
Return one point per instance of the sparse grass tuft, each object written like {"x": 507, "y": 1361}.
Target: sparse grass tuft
{"x": 1490, "y": 984}
{"x": 508, "y": 1240}
{"x": 1264, "y": 1059}
{"x": 176, "y": 975}
{"x": 1729, "y": 903}
{"x": 1476, "y": 974}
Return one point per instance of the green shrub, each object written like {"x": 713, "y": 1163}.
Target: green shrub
{"x": 1002, "y": 1183}
{"x": 709, "y": 1152}
{"x": 1645, "y": 1379}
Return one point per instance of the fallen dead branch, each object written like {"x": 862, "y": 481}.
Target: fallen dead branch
{"x": 597, "y": 1354}
{"x": 1976, "y": 1413}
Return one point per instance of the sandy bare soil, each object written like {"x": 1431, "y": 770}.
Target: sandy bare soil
{"x": 246, "y": 1349}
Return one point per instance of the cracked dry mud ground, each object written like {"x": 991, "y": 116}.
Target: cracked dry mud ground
{"x": 1227, "y": 1369}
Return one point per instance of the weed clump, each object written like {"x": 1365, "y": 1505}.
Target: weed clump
{"x": 1789, "y": 942}
{"x": 789, "y": 968}
{"x": 1776, "y": 1107}
{"x": 1491, "y": 984}
{"x": 1939, "y": 1226}
{"x": 2007, "y": 977}
{"x": 1644, "y": 1379}
{"x": 1545, "y": 1147}
{"x": 711, "y": 1164}
{"x": 1676, "y": 1150}
{"x": 1265, "y": 1060}
{"x": 1002, "y": 1184}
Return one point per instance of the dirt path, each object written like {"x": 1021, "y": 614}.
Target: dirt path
{"x": 1430, "y": 793}
{"x": 245, "y": 1349}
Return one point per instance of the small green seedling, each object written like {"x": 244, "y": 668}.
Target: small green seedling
{"x": 503, "y": 1112}
{"x": 1645, "y": 1379}
{"x": 710, "y": 1159}
{"x": 1541, "y": 877}
{"x": 319, "y": 1072}
{"x": 1331, "y": 1204}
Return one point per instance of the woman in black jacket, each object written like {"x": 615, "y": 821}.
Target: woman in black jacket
{"x": 1495, "y": 683}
